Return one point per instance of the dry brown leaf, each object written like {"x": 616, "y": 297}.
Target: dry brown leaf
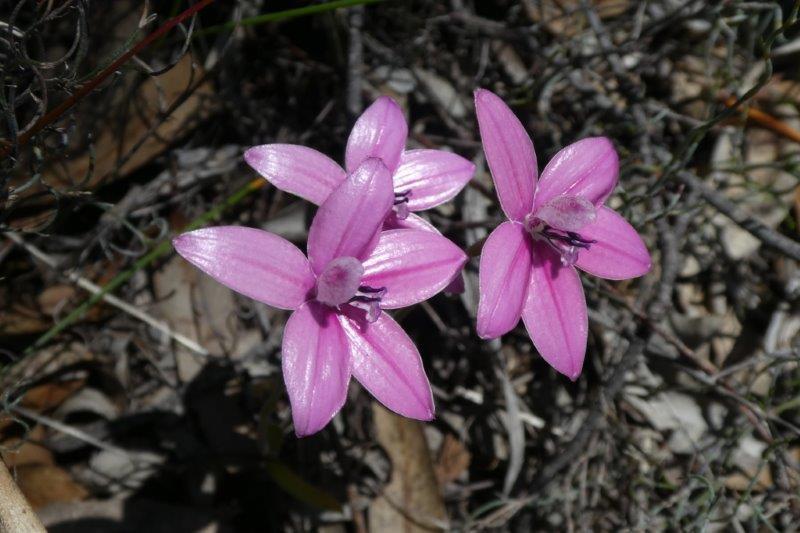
{"x": 454, "y": 459}
{"x": 45, "y": 362}
{"x": 45, "y": 484}
{"x": 159, "y": 93}
{"x": 50, "y": 395}
{"x": 18, "y": 452}
{"x": 111, "y": 145}
{"x": 55, "y": 297}
{"x": 411, "y": 502}
{"x": 45, "y": 397}
{"x": 198, "y": 307}
{"x": 17, "y": 319}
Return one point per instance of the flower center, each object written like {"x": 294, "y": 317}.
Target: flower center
{"x": 340, "y": 283}
{"x": 401, "y": 204}
{"x": 557, "y": 223}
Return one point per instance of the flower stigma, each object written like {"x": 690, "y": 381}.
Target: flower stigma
{"x": 340, "y": 283}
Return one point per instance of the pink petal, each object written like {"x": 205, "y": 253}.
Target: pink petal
{"x": 456, "y": 285}
{"x": 433, "y": 177}
{"x": 568, "y": 213}
{"x": 346, "y": 223}
{"x": 386, "y": 362}
{"x": 316, "y": 366}
{"x": 412, "y": 221}
{"x": 412, "y": 265}
{"x": 509, "y": 153}
{"x": 619, "y": 252}
{"x": 588, "y": 168}
{"x": 503, "y": 276}
{"x": 296, "y": 169}
{"x": 555, "y": 312}
{"x": 381, "y": 132}
{"x": 250, "y": 261}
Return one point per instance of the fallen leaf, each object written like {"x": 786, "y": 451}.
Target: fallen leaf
{"x": 17, "y": 319}
{"x": 18, "y": 451}
{"x": 45, "y": 397}
{"x": 198, "y": 307}
{"x": 126, "y": 514}
{"x": 138, "y": 114}
{"x": 46, "y": 484}
{"x": 453, "y": 460}
{"x": 675, "y": 412}
{"x": 412, "y": 501}
{"x": 50, "y": 395}
{"x": 54, "y": 298}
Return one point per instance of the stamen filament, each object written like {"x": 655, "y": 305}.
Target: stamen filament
{"x": 565, "y": 243}
{"x": 401, "y": 204}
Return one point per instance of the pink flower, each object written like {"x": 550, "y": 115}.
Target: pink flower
{"x": 422, "y": 178}
{"x": 353, "y": 271}
{"x": 527, "y": 266}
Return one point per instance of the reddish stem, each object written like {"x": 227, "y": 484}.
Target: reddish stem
{"x": 92, "y": 84}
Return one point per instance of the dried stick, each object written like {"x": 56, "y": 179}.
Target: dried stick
{"x": 110, "y": 299}
{"x": 355, "y": 61}
{"x": 767, "y": 236}
{"x": 16, "y": 514}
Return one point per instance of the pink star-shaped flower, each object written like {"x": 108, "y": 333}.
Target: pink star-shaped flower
{"x": 353, "y": 271}
{"x": 527, "y": 266}
{"x": 422, "y": 178}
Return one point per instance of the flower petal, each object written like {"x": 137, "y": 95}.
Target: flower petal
{"x": 412, "y": 221}
{"x": 412, "y": 265}
{"x": 316, "y": 366}
{"x": 433, "y": 177}
{"x": 503, "y": 276}
{"x": 619, "y": 252}
{"x": 555, "y": 312}
{"x": 588, "y": 168}
{"x": 386, "y": 362}
{"x": 346, "y": 223}
{"x": 509, "y": 153}
{"x": 381, "y": 132}
{"x": 457, "y": 284}
{"x": 250, "y": 261}
{"x": 297, "y": 170}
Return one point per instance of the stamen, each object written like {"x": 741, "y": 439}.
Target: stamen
{"x": 379, "y": 292}
{"x": 401, "y": 204}
{"x": 368, "y": 299}
{"x": 566, "y": 243}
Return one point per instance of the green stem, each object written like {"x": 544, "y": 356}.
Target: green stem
{"x": 285, "y": 15}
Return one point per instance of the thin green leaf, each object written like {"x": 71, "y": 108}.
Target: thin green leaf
{"x": 300, "y": 489}
{"x": 286, "y": 15}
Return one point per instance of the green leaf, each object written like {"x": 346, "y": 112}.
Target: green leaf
{"x": 300, "y": 489}
{"x": 286, "y": 15}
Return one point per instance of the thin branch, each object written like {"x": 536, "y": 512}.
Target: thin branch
{"x": 16, "y": 514}
{"x": 770, "y": 238}
{"x": 110, "y": 299}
